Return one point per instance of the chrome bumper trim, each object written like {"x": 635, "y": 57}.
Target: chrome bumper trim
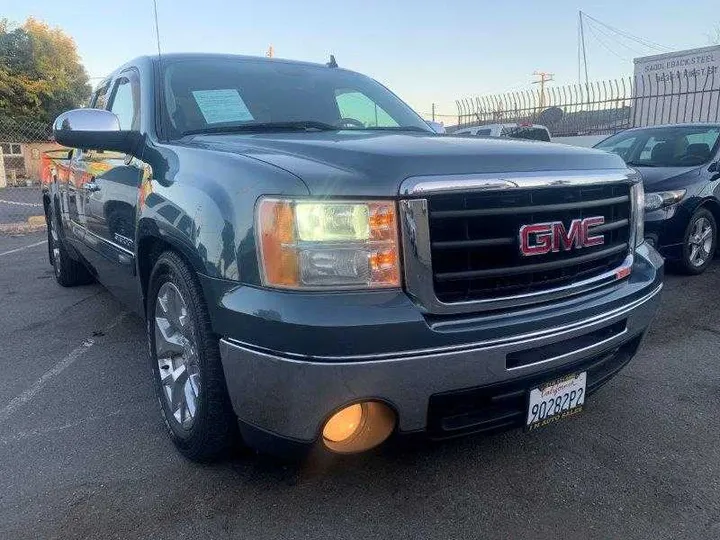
{"x": 399, "y": 355}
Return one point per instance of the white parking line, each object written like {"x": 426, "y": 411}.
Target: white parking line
{"x": 58, "y": 368}
{"x": 23, "y": 248}
{"x": 35, "y": 432}
{"x": 17, "y": 203}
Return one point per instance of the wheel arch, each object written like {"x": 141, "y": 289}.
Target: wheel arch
{"x": 713, "y": 206}
{"x": 150, "y": 244}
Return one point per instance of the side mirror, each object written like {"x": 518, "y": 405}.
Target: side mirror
{"x": 94, "y": 129}
{"x": 437, "y": 127}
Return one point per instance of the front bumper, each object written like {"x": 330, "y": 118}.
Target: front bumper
{"x": 290, "y": 394}
{"x": 665, "y": 230}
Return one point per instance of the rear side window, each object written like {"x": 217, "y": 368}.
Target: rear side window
{"x": 709, "y": 137}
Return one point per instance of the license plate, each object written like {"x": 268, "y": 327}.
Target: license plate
{"x": 556, "y": 400}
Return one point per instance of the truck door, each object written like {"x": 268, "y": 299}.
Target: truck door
{"x": 80, "y": 174}
{"x": 109, "y": 200}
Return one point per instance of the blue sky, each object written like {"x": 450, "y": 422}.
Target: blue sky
{"x": 426, "y": 51}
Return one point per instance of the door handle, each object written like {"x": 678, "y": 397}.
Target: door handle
{"x": 91, "y": 187}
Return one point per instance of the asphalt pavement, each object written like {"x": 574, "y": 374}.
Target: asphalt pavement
{"x": 17, "y": 204}
{"x": 83, "y": 453}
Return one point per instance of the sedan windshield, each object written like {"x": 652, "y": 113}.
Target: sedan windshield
{"x": 239, "y": 94}
{"x": 674, "y": 146}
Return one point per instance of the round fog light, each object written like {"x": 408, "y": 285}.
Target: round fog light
{"x": 358, "y": 427}
{"x": 344, "y": 423}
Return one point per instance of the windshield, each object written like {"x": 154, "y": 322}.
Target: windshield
{"x": 213, "y": 94}
{"x": 674, "y": 146}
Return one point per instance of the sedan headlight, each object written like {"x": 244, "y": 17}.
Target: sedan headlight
{"x": 661, "y": 199}
{"x": 327, "y": 244}
{"x": 638, "y": 209}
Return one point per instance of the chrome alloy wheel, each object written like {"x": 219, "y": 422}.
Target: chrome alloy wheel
{"x": 177, "y": 355}
{"x": 700, "y": 242}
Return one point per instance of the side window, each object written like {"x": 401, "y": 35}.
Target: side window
{"x": 708, "y": 137}
{"x": 99, "y": 100}
{"x": 125, "y": 103}
{"x": 357, "y": 106}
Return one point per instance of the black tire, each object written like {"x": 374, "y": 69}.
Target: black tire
{"x": 702, "y": 218}
{"x": 49, "y": 240}
{"x": 214, "y": 427}
{"x": 68, "y": 272}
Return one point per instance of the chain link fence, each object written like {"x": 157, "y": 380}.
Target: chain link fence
{"x": 22, "y": 144}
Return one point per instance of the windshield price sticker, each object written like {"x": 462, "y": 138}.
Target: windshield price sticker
{"x": 221, "y": 106}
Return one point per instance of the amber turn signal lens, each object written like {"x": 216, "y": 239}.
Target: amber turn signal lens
{"x": 276, "y": 222}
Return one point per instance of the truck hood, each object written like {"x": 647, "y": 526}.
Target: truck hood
{"x": 366, "y": 163}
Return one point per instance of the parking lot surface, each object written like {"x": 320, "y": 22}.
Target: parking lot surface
{"x": 17, "y": 204}
{"x": 83, "y": 453}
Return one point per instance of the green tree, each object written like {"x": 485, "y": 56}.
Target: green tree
{"x": 40, "y": 71}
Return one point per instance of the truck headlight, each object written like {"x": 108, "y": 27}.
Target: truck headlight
{"x": 638, "y": 210}
{"x": 327, "y": 244}
{"x": 661, "y": 199}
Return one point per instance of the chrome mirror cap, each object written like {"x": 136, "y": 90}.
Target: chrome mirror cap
{"x": 85, "y": 120}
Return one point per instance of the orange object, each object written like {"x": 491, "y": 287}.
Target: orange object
{"x": 277, "y": 243}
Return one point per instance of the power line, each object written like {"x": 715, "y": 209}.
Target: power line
{"x": 605, "y": 33}
{"x": 605, "y": 45}
{"x": 649, "y": 44}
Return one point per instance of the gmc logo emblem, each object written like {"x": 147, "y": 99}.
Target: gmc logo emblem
{"x": 542, "y": 238}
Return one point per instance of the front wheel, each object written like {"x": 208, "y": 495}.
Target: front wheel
{"x": 185, "y": 356}
{"x": 699, "y": 243}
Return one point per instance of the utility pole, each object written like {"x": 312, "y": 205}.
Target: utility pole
{"x": 544, "y": 78}
{"x": 581, "y": 47}
{"x": 433, "y": 112}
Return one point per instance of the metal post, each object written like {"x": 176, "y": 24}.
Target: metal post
{"x": 3, "y": 176}
{"x": 582, "y": 43}
{"x": 433, "y": 112}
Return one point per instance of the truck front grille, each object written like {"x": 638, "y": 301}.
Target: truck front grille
{"x": 475, "y": 239}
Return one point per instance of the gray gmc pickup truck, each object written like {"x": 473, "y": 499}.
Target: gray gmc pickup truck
{"x": 319, "y": 270}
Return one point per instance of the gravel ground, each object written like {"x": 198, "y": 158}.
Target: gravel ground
{"x": 83, "y": 453}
